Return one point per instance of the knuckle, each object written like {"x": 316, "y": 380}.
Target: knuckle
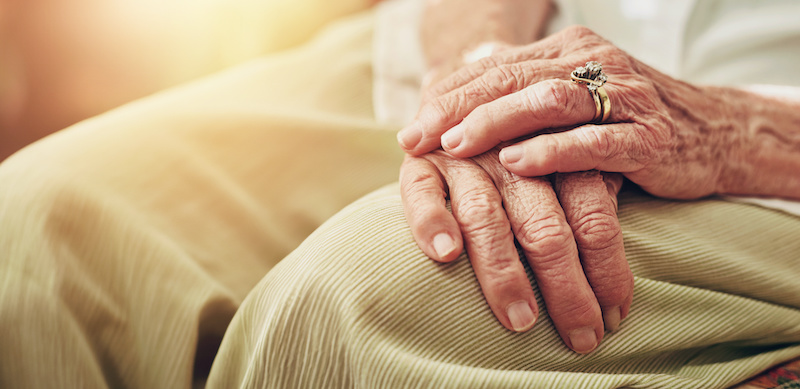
{"x": 470, "y": 72}
{"x": 482, "y": 65}
{"x": 576, "y": 311}
{"x": 420, "y": 208}
{"x": 578, "y": 31}
{"x": 603, "y": 143}
{"x": 482, "y": 122}
{"x": 546, "y": 236}
{"x": 647, "y": 145}
{"x": 551, "y": 147}
{"x": 518, "y": 76}
{"x": 437, "y": 111}
{"x": 497, "y": 82}
{"x": 482, "y": 219}
{"x": 459, "y": 78}
{"x": 581, "y": 39}
{"x": 549, "y": 99}
{"x": 479, "y": 210}
{"x": 597, "y": 229}
{"x": 431, "y": 93}
{"x": 418, "y": 181}
{"x": 597, "y": 144}
{"x": 418, "y": 192}
{"x": 502, "y": 273}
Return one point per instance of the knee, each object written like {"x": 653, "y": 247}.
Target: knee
{"x": 358, "y": 265}
{"x": 40, "y": 202}
{"x": 39, "y": 332}
{"x": 351, "y": 291}
{"x": 51, "y": 226}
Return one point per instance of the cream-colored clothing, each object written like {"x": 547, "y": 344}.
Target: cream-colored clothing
{"x": 129, "y": 238}
{"x": 129, "y": 241}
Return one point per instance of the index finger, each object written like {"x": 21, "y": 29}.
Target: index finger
{"x": 442, "y": 113}
{"x": 478, "y": 209}
{"x": 424, "y": 194}
{"x": 545, "y": 105}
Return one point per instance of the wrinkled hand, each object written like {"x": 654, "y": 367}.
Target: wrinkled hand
{"x": 669, "y": 137}
{"x": 490, "y": 206}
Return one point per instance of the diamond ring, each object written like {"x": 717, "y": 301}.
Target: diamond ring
{"x": 593, "y": 77}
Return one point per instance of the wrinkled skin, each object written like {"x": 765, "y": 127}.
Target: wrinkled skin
{"x": 565, "y": 224}
{"x": 517, "y": 110}
{"x": 674, "y": 139}
{"x": 576, "y": 253}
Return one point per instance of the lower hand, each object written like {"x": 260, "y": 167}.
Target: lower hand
{"x": 576, "y": 254}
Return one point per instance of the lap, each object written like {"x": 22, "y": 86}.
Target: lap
{"x": 359, "y": 305}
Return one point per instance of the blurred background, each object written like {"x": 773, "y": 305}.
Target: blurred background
{"x": 62, "y": 61}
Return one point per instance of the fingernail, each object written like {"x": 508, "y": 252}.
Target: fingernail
{"x": 409, "y": 137}
{"x": 583, "y": 340}
{"x": 521, "y": 316}
{"x": 443, "y": 244}
{"x": 452, "y": 138}
{"x": 612, "y": 318}
{"x": 511, "y": 154}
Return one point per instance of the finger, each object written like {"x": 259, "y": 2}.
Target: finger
{"x": 489, "y": 242}
{"x": 440, "y": 114}
{"x": 591, "y": 214}
{"x": 610, "y": 147}
{"x": 549, "y": 47}
{"x": 424, "y": 201}
{"x": 542, "y": 231}
{"x": 614, "y": 183}
{"x": 544, "y": 105}
{"x": 507, "y": 69}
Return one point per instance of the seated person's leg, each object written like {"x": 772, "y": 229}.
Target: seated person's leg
{"x": 56, "y": 71}
{"x": 359, "y": 305}
{"x": 130, "y": 237}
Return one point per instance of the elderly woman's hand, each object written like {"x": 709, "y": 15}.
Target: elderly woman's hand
{"x": 566, "y": 224}
{"x": 576, "y": 254}
{"x": 673, "y": 139}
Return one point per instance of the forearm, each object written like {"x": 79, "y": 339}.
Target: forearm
{"x": 764, "y": 158}
{"x": 453, "y": 28}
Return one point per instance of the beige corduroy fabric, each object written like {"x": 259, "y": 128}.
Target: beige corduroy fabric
{"x": 129, "y": 241}
{"x": 357, "y": 305}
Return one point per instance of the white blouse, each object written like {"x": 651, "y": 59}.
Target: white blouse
{"x": 738, "y": 43}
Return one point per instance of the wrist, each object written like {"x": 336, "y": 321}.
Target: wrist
{"x": 762, "y": 158}
{"x": 451, "y": 28}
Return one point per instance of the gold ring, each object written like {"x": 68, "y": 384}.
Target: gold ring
{"x": 593, "y": 77}
{"x": 605, "y": 102}
{"x": 598, "y": 113}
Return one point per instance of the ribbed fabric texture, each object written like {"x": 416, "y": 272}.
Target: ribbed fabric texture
{"x": 357, "y": 305}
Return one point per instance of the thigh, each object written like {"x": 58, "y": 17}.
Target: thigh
{"x": 129, "y": 239}
{"x": 359, "y": 305}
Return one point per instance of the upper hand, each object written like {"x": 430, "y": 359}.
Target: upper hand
{"x": 667, "y": 136}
